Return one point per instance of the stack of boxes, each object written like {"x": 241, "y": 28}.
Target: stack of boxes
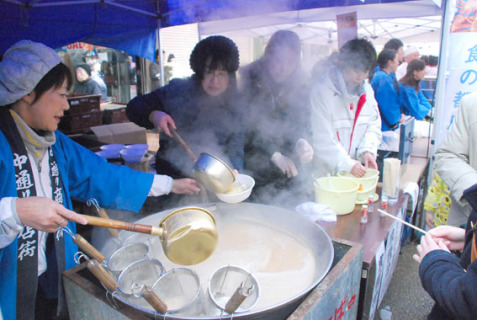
{"x": 84, "y": 113}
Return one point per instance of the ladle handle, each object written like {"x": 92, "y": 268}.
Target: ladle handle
{"x": 102, "y": 213}
{"x": 237, "y": 298}
{"x": 154, "y": 300}
{"x": 184, "y": 145}
{"x": 102, "y": 275}
{"x": 116, "y": 224}
{"x": 88, "y": 248}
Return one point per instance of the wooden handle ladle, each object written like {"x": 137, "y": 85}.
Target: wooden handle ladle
{"x": 117, "y": 224}
{"x": 192, "y": 156}
{"x": 188, "y": 235}
{"x": 183, "y": 144}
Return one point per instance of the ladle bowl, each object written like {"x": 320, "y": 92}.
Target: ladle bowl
{"x": 188, "y": 235}
{"x": 213, "y": 173}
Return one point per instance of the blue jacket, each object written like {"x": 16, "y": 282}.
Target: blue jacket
{"x": 84, "y": 176}
{"x": 388, "y": 99}
{"x": 445, "y": 278}
{"x": 414, "y": 103}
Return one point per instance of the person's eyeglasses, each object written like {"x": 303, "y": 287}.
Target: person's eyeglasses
{"x": 219, "y": 74}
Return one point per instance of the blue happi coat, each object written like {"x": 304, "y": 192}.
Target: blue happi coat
{"x": 84, "y": 176}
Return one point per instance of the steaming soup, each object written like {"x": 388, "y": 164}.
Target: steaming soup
{"x": 283, "y": 264}
{"x": 237, "y": 187}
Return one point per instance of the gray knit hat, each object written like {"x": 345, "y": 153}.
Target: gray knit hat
{"x": 24, "y": 65}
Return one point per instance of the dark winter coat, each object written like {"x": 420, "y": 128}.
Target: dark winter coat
{"x": 277, "y": 116}
{"x": 207, "y": 124}
{"x": 452, "y": 282}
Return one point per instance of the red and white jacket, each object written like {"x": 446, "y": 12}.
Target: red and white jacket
{"x": 344, "y": 125}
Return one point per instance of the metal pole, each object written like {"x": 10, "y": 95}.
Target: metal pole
{"x": 440, "y": 86}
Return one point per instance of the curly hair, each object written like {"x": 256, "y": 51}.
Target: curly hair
{"x": 221, "y": 51}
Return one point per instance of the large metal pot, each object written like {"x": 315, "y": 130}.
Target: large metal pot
{"x": 236, "y": 225}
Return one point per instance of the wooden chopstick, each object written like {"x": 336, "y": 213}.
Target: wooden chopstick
{"x": 400, "y": 220}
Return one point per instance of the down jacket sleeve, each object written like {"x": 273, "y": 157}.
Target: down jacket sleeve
{"x": 456, "y": 159}
{"x": 449, "y": 284}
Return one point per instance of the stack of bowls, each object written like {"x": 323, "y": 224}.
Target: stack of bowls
{"x": 132, "y": 153}
{"x": 110, "y": 151}
{"x": 367, "y": 184}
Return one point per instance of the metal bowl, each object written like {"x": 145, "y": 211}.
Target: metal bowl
{"x": 213, "y": 173}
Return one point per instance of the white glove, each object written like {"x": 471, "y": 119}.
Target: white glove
{"x": 304, "y": 151}
{"x": 284, "y": 164}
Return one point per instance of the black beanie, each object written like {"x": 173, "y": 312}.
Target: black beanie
{"x": 85, "y": 67}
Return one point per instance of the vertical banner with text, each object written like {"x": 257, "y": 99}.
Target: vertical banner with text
{"x": 347, "y": 27}
{"x": 462, "y": 61}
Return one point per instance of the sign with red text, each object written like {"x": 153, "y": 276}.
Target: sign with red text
{"x": 347, "y": 27}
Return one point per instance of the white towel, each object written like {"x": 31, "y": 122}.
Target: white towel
{"x": 316, "y": 211}
{"x": 391, "y": 176}
{"x": 413, "y": 190}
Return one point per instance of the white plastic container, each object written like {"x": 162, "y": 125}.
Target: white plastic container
{"x": 337, "y": 192}
{"x": 369, "y": 180}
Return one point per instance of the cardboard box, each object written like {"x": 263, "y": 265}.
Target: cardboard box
{"x": 125, "y": 133}
{"x": 114, "y": 113}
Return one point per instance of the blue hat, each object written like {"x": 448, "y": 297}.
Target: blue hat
{"x": 23, "y": 66}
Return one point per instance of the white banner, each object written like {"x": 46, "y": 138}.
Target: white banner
{"x": 347, "y": 27}
{"x": 462, "y": 61}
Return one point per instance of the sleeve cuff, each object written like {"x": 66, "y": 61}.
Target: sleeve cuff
{"x": 10, "y": 224}
{"x": 161, "y": 185}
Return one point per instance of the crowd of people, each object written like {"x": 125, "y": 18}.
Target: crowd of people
{"x": 268, "y": 119}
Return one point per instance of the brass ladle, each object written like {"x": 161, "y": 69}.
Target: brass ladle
{"x": 188, "y": 235}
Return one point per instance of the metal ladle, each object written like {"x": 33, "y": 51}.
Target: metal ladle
{"x": 210, "y": 171}
{"x": 188, "y": 235}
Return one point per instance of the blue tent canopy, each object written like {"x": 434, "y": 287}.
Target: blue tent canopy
{"x": 131, "y": 26}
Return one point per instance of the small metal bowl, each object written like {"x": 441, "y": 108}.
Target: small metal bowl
{"x": 213, "y": 173}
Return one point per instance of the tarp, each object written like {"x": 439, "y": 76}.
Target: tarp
{"x": 419, "y": 21}
{"x": 131, "y": 26}
{"x": 57, "y": 23}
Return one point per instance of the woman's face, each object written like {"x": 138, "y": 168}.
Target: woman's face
{"x": 81, "y": 75}
{"x": 282, "y": 63}
{"x": 215, "y": 82}
{"x": 394, "y": 64}
{"x": 419, "y": 74}
{"x": 354, "y": 77}
{"x": 46, "y": 112}
{"x": 400, "y": 54}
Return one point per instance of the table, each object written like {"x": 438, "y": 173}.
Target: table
{"x": 380, "y": 236}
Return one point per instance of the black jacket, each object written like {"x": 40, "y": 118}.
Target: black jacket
{"x": 452, "y": 282}
{"x": 207, "y": 124}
